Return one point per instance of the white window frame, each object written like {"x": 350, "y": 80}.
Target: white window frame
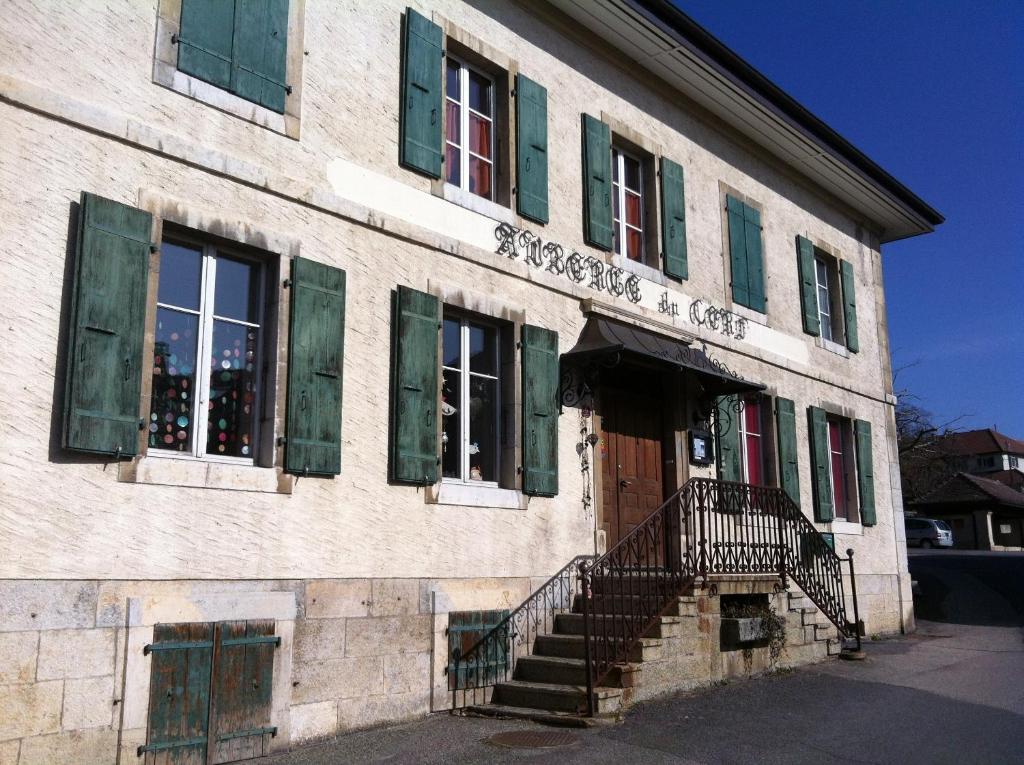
{"x": 200, "y": 410}
{"x": 464, "y": 110}
{"x": 465, "y": 374}
{"x": 619, "y": 157}
{"x": 821, "y": 284}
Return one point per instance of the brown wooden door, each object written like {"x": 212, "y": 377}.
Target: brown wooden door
{"x": 631, "y": 468}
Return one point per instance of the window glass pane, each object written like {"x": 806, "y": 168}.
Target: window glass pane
{"x": 479, "y": 93}
{"x": 451, "y": 424}
{"x": 180, "y": 274}
{"x": 616, "y": 238}
{"x": 821, "y": 270}
{"x": 174, "y": 381}
{"x": 453, "y": 159}
{"x": 232, "y": 407}
{"x": 452, "y": 80}
{"x": 632, "y": 209}
{"x": 631, "y": 169}
{"x": 634, "y": 244}
{"x": 616, "y": 158}
{"x": 451, "y": 347}
{"x": 615, "y": 202}
{"x": 480, "y": 136}
{"x": 480, "y": 177}
{"x": 483, "y": 350}
{"x": 237, "y": 291}
{"x": 453, "y": 118}
{"x": 835, "y": 440}
{"x": 483, "y": 429}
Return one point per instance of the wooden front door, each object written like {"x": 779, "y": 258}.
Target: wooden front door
{"x": 631, "y": 461}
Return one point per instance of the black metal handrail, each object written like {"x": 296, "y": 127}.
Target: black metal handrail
{"x": 492, "y": 658}
{"x": 707, "y": 528}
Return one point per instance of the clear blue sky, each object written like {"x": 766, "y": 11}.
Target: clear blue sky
{"x": 933, "y": 91}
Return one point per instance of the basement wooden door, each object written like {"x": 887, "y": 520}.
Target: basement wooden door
{"x": 631, "y": 461}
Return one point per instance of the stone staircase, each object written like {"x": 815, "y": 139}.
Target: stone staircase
{"x": 678, "y": 651}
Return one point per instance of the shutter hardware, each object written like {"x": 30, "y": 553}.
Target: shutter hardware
{"x": 175, "y": 39}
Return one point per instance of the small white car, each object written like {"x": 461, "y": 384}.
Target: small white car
{"x": 927, "y": 532}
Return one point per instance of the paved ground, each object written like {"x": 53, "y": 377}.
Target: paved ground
{"x": 950, "y": 693}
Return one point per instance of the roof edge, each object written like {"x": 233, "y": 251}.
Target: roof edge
{"x": 676, "y": 23}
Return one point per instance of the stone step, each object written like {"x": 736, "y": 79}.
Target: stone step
{"x": 634, "y": 584}
{"x": 833, "y": 646}
{"x": 825, "y": 632}
{"x": 572, "y": 624}
{"x": 554, "y": 697}
{"x": 565, "y": 671}
{"x": 623, "y": 604}
{"x": 562, "y": 719}
{"x": 571, "y": 647}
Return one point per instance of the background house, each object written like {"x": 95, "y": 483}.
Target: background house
{"x": 983, "y": 513}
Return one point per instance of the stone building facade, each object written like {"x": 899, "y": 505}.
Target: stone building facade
{"x": 285, "y": 217}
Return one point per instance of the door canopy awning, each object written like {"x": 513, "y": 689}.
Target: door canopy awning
{"x": 607, "y": 342}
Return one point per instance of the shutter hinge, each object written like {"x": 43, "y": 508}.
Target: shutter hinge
{"x": 281, "y": 440}
{"x": 287, "y": 283}
{"x": 154, "y": 247}
{"x": 175, "y": 39}
{"x": 142, "y": 424}
{"x": 288, "y": 89}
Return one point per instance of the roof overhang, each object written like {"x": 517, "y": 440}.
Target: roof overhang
{"x": 666, "y": 42}
{"x": 607, "y": 342}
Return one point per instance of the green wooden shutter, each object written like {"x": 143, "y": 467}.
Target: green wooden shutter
{"x": 490, "y": 663}
{"x": 849, "y": 306}
{"x": 108, "y": 323}
{"x": 597, "y": 183}
{"x": 414, "y": 397}
{"x": 205, "y": 40}
{"x": 808, "y": 285}
{"x": 540, "y": 411}
{"x": 531, "y": 149}
{"x": 179, "y": 693}
{"x": 728, "y": 433}
{"x": 243, "y": 681}
{"x": 420, "y": 140}
{"x": 785, "y": 428}
{"x": 755, "y": 258}
{"x": 865, "y": 472}
{"x": 673, "y": 219}
{"x": 316, "y": 349}
{"x": 737, "y": 250}
{"x": 260, "y": 51}
{"x": 823, "y": 506}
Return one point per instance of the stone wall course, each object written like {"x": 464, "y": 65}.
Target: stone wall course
{"x": 88, "y": 703}
{"x": 337, "y": 679}
{"x": 30, "y": 710}
{"x": 313, "y": 721}
{"x": 75, "y": 653}
{"x": 18, "y": 651}
{"x": 90, "y": 747}
{"x": 46, "y": 605}
{"x": 386, "y": 635}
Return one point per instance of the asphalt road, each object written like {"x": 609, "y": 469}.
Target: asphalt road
{"x": 953, "y": 692}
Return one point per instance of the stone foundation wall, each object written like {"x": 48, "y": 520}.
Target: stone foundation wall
{"x": 74, "y": 681}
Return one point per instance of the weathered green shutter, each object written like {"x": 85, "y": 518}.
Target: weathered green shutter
{"x": 316, "y": 349}
{"x": 540, "y": 411}
{"x": 745, "y": 256}
{"x": 808, "y": 285}
{"x": 673, "y": 219}
{"x": 108, "y": 323}
{"x": 414, "y": 398}
{"x": 260, "y": 51}
{"x": 531, "y": 149}
{"x": 597, "y": 183}
{"x": 490, "y": 662}
{"x": 205, "y": 40}
{"x": 420, "y": 140}
{"x": 179, "y": 693}
{"x": 824, "y": 510}
{"x": 755, "y": 258}
{"x": 737, "y": 250}
{"x": 865, "y": 472}
{"x": 727, "y": 430}
{"x": 849, "y": 306}
{"x": 243, "y": 681}
{"x": 785, "y": 428}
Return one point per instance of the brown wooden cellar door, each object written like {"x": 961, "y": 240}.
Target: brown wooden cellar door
{"x": 631, "y": 479}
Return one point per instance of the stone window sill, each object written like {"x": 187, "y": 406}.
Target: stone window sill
{"x": 832, "y": 347}
{"x": 846, "y": 527}
{"x": 640, "y": 269}
{"x": 468, "y": 495}
{"x": 200, "y": 474}
{"x": 478, "y": 204}
{"x": 749, "y": 314}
